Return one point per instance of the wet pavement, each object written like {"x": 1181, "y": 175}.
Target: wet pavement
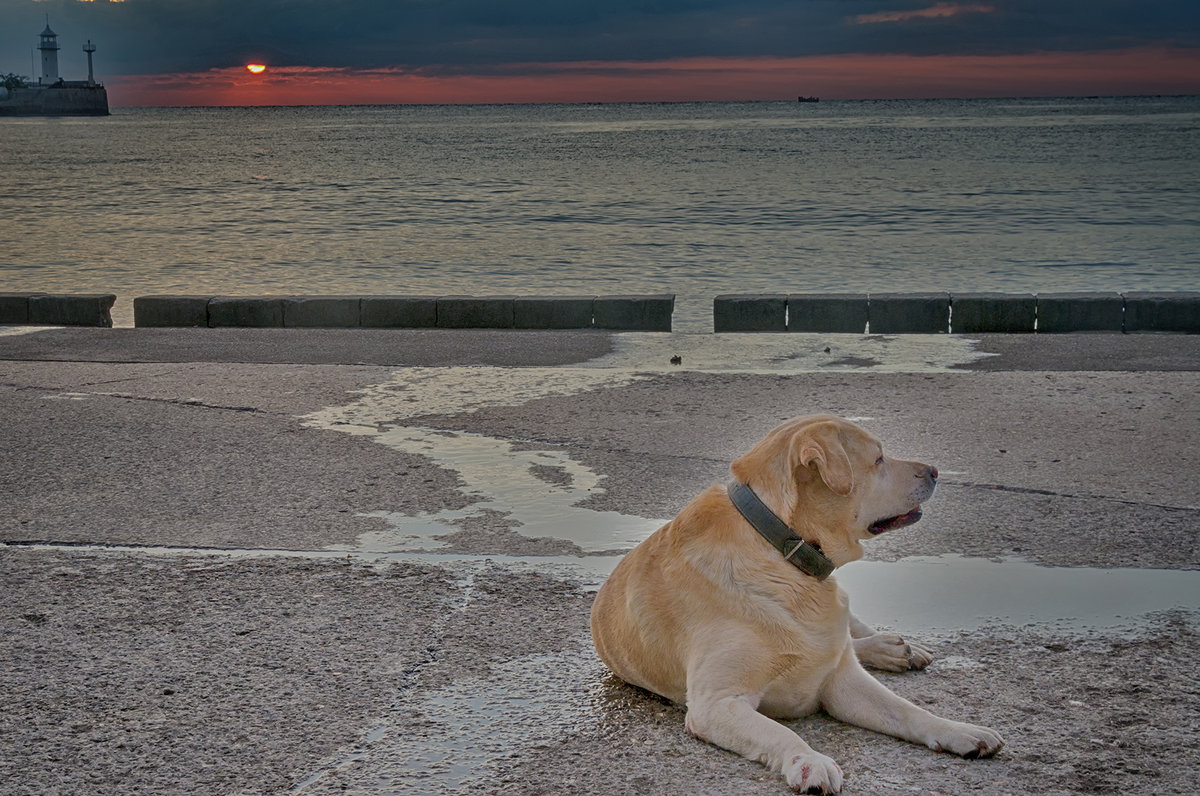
{"x": 330, "y": 561}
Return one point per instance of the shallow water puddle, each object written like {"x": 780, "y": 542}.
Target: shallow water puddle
{"x": 952, "y": 592}
{"x": 536, "y": 491}
{"x": 780, "y": 354}
{"x": 505, "y": 479}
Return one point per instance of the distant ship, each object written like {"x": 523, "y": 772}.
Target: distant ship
{"x": 808, "y": 99}
{"x": 51, "y": 95}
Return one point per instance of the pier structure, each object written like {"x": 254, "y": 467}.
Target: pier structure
{"x": 49, "y": 94}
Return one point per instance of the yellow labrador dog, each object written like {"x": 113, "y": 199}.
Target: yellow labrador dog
{"x": 728, "y": 609}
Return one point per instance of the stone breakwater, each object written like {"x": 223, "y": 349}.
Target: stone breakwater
{"x": 852, "y": 313}
{"x": 960, "y": 313}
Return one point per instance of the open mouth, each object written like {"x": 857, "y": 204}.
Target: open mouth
{"x": 892, "y": 523}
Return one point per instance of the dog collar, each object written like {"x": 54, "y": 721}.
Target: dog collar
{"x": 804, "y": 556}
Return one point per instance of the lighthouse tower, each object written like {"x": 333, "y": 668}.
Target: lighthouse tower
{"x": 49, "y": 47}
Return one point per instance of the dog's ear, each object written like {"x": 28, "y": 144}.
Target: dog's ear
{"x": 821, "y": 444}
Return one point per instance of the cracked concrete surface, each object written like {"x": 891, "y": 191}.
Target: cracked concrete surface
{"x": 308, "y": 663}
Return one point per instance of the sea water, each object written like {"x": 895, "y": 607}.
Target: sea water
{"x": 695, "y": 199}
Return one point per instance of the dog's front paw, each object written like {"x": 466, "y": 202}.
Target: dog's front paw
{"x": 813, "y": 772}
{"x": 891, "y": 653}
{"x": 965, "y": 740}
{"x": 918, "y": 656}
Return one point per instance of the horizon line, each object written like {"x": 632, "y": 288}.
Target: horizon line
{"x": 1150, "y": 95}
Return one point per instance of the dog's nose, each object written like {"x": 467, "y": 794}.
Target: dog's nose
{"x": 933, "y": 472}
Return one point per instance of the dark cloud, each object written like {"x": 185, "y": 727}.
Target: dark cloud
{"x": 159, "y": 36}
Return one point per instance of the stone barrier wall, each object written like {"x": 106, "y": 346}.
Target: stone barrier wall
{"x": 887, "y": 313}
{"x": 51, "y": 309}
{"x": 631, "y": 313}
{"x": 960, "y": 313}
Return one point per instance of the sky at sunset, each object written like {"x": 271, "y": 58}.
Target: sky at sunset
{"x": 195, "y": 52}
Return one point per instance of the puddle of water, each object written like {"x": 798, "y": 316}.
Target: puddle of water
{"x": 503, "y": 479}
{"x": 414, "y": 392}
{"x": 953, "y": 592}
{"x": 927, "y": 593}
{"x": 776, "y": 354}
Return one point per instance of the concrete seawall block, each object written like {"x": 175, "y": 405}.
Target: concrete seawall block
{"x": 475, "y": 312}
{"x": 553, "y": 312}
{"x": 974, "y": 313}
{"x": 843, "y": 313}
{"x": 1162, "y": 312}
{"x": 14, "y": 307}
{"x": 89, "y": 309}
{"x": 398, "y": 312}
{"x": 1080, "y": 312}
{"x": 170, "y": 311}
{"x": 750, "y": 313}
{"x": 322, "y": 312}
{"x": 909, "y": 313}
{"x": 254, "y": 311}
{"x": 650, "y": 313}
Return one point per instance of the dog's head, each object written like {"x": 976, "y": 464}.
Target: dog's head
{"x": 831, "y": 481}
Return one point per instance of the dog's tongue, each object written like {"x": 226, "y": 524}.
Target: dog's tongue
{"x": 892, "y": 523}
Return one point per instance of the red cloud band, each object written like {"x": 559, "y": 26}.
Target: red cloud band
{"x": 1129, "y": 71}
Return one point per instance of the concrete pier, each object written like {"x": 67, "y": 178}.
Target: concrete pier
{"x": 318, "y": 561}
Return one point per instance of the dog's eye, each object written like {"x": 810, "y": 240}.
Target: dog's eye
{"x": 879, "y": 461}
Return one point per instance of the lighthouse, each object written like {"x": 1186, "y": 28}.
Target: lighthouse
{"x": 51, "y": 95}
{"x": 49, "y": 47}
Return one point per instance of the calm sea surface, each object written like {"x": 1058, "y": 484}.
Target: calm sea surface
{"x": 692, "y": 199}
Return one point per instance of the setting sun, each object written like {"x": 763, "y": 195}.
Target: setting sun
{"x": 256, "y": 68}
